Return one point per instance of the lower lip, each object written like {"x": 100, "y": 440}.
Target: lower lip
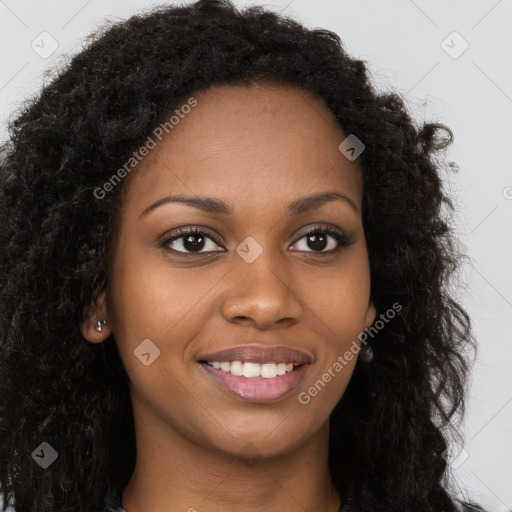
{"x": 257, "y": 389}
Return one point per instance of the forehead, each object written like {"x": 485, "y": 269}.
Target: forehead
{"x": 240, "y": 140}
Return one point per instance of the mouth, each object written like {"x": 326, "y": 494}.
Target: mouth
{"x": 257, "y": 374}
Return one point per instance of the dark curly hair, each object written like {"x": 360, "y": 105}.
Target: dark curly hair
{"x": 391, "y": 428}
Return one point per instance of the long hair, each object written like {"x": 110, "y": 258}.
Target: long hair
{"x": 390, "y": 430}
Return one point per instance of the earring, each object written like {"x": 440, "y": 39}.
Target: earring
{"x": 366, "y": 352}
{"x": 100, "y": 324}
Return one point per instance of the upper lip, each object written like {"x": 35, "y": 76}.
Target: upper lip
{"x": 259, "y": 354}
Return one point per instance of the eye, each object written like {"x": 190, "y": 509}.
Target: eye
{"x": 317, "y": 238}
{"x": 193, "y": 240}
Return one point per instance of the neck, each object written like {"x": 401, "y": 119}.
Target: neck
{"x": 173, "y": 472}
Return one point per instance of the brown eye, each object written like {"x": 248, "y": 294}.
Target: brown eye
{"x": 189, "y": 241}
{"x": 318, "y": 240}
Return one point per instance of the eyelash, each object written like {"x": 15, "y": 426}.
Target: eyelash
{"x": 343, "y": 240}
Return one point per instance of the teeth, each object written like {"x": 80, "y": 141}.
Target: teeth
{"x": 268, "y": 370}
{"x": 237, "y": 368}
{"x": 281, "y": 368}
{"x": 250, "y": 369}
{"x": 253, "y": 370}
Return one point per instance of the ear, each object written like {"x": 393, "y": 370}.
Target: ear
{"x": 371, "y": 314}
{"x": 93, "y": 314}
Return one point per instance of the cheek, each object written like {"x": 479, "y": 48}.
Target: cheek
{"x": 339, "y": 303}
{"x": 150, "y": 303}
{"x": 148, "y": 297}
{"x": 339, "y": 300}
{"x": 152, "y": 300}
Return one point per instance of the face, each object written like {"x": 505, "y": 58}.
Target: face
{"x": 259, "y": 276}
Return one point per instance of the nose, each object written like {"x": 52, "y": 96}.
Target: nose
{"x": 262, "y": 293}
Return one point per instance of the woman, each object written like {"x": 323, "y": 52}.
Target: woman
{"x": 223, "y": 282}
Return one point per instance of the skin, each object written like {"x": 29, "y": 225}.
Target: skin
{"x": 258, "y": 148}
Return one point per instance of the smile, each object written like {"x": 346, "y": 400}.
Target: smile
{"x": 248, "y": 369}
{"x": 254, "y": 382}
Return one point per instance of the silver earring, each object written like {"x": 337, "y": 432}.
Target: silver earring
{"x": 100, "y": 324}
{"x": 366, "y": 353}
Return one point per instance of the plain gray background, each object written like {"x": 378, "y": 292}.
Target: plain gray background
{"x": 409, "y": 46}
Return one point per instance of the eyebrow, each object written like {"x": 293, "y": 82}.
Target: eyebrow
{"x": 219, "y": 207}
